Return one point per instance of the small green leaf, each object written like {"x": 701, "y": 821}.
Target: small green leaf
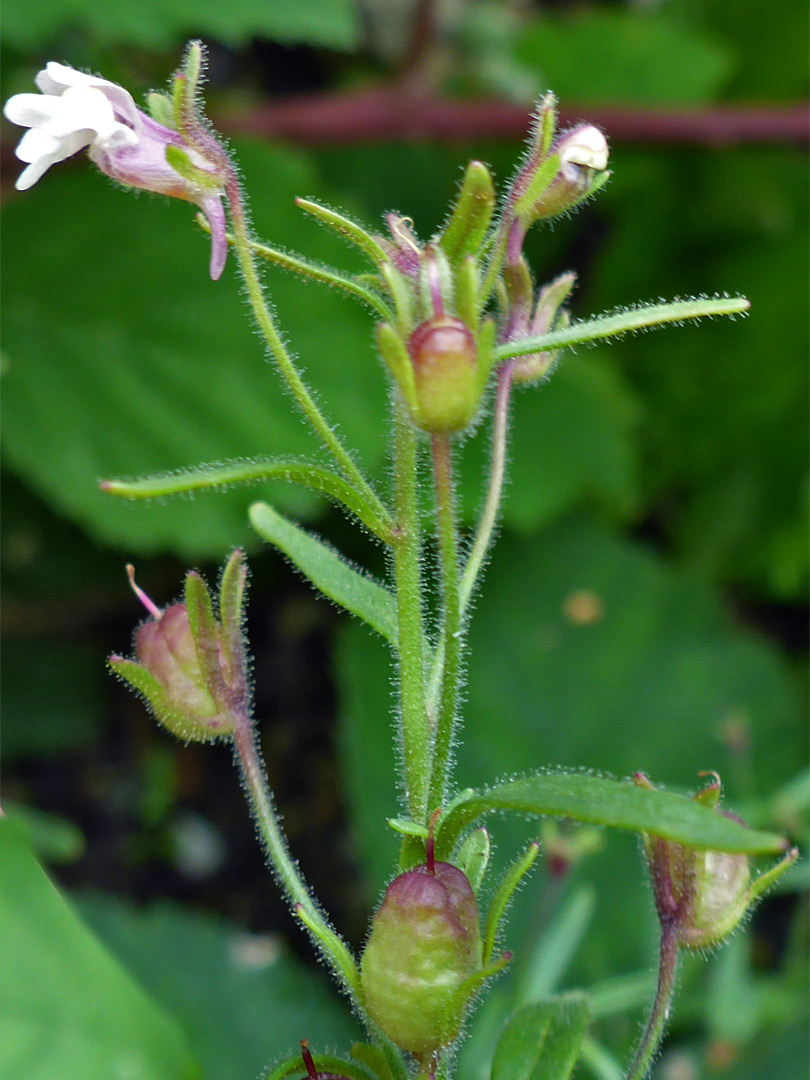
{"x": 220, "y": 475}
{"x": 542, "y": 1042}
{"x": 346, "y": 228}
{"x": 67, "y": 1008}
{"x": 602, "y": 801}
{"x": 358, "y": 593}
{"x": 503, "y": 895}
{"x": 617, "y": 323}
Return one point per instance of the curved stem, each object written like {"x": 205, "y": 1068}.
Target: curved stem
{"x": 264, "y": 320}
{"x": 452, "y": 628}
{"x": 650, "y": 1041}
{"x": 326, "y": 940}
{"x": 416, "y": 735}
{"x": 489, "y": 515}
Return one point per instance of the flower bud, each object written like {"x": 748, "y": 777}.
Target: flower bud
{"x": 704, "y": 895}
{"x": 190, "y": 666}
{"x": 424, "y": 944}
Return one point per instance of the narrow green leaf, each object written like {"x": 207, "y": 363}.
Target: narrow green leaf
{"x": 551, "y": 956}
{"x": 219, "y": 475}
{"x": 503, "y": 895}
{"x": 346, "y": 228}
{"x": 625, "y": 322}
{"x": 298, "y": 264}
{"x": 67, "y": 1008}
{"x": 358, "y": 593}
{"x": 616, "y": 803}
{"x": 472, "y": 858}
{"x": 542, "y": 1041}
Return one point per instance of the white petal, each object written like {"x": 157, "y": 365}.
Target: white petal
{"x": 30, "y": 110}
{"x": 57, "y": 78}
{"x": 36, "y": 144}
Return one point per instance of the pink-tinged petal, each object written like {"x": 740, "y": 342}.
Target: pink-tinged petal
{"x": 56, "y": 78}
{"x": 214, "y": 212}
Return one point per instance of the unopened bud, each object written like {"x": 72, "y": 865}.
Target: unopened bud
{"x": 704, "y": 895}
{"x": 190, "y": 665}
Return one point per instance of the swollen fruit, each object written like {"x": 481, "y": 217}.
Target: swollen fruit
{"x": 424, "y": 945}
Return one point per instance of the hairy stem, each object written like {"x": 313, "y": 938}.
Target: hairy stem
{"x": 264, "y": 320}
{"x": 416, "y": 735}
{"x": 452, "y": 625}
{"x": 489, "y": 515}
{"x": 326, "y": 940}
{"x": 650, "y": 1041}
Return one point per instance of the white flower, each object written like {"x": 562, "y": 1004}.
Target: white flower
{"x": 73, "y": 111}
{"x": 76, "y": 110}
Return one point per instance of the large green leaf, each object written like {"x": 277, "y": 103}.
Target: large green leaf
{"x": 542, "y": 1041}
{"x": 619, "y": 804}
{"x": 570, "y": 54}
{"x": 141, "y": 364}
{"x": 67, "y": 1008}
{"x": 329, "y": 572}
{"x": 243, "y": 999}
{"x": 160, "y": 24}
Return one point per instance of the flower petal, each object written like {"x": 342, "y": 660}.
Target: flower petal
{"x": 30, "y": 110}
{"x": 57, "y": 78}
{"x": 211, "y": 206}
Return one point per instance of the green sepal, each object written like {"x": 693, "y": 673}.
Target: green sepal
{"x": 408, "y": 828}
{"x": 503, "y": 895}
{"x": 464, "y": 993}
{"x": 374, "y": 1060}
{"x": 543, "y": 1041}
{"x": 486, "y": 354}
{"x": 331, "y": 574}
{"x": 402, "y": 295}
{"x": 540, "y": 180}
{"x": 472, "y": 857}
{"x": 545, "y": 123}
{"x": 468, "y": 283}
{"x": 183, "y": 166}
{"x": 518, "y": 287}
{"x": 346, "y": 228}
{"x": 232, "y": 607}
{"x": 471, "y": 215}
{"x": 392, "y": 349}
{"x": 180, "y": 724}
{"x": 598, "y": 181}
{"x": 160, "y": 108}
{"x": 292, "y": 1066}
{"x": 206, "y": 633}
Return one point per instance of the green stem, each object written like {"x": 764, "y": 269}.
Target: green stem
{"x": 452, "y": 628}
{"x": 495, "y": 264}
{"x": 326, "y": 940}
{"x": 261, "y": 312}
{"x": 416, "y": 735}
{"x": 650, "y": 1041}
{"x": 489, "y": 515}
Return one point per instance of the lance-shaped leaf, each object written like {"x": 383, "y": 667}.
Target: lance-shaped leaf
{"x": 618, "y": 323}
{"x": 331, "y": 574}
{"x": 598, "y": 800}
{"x": 346, "y": 228}
{"x": 314, "y": 271}
{"x": 220, "y": 475}
{"x": 542, "y": 1042}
